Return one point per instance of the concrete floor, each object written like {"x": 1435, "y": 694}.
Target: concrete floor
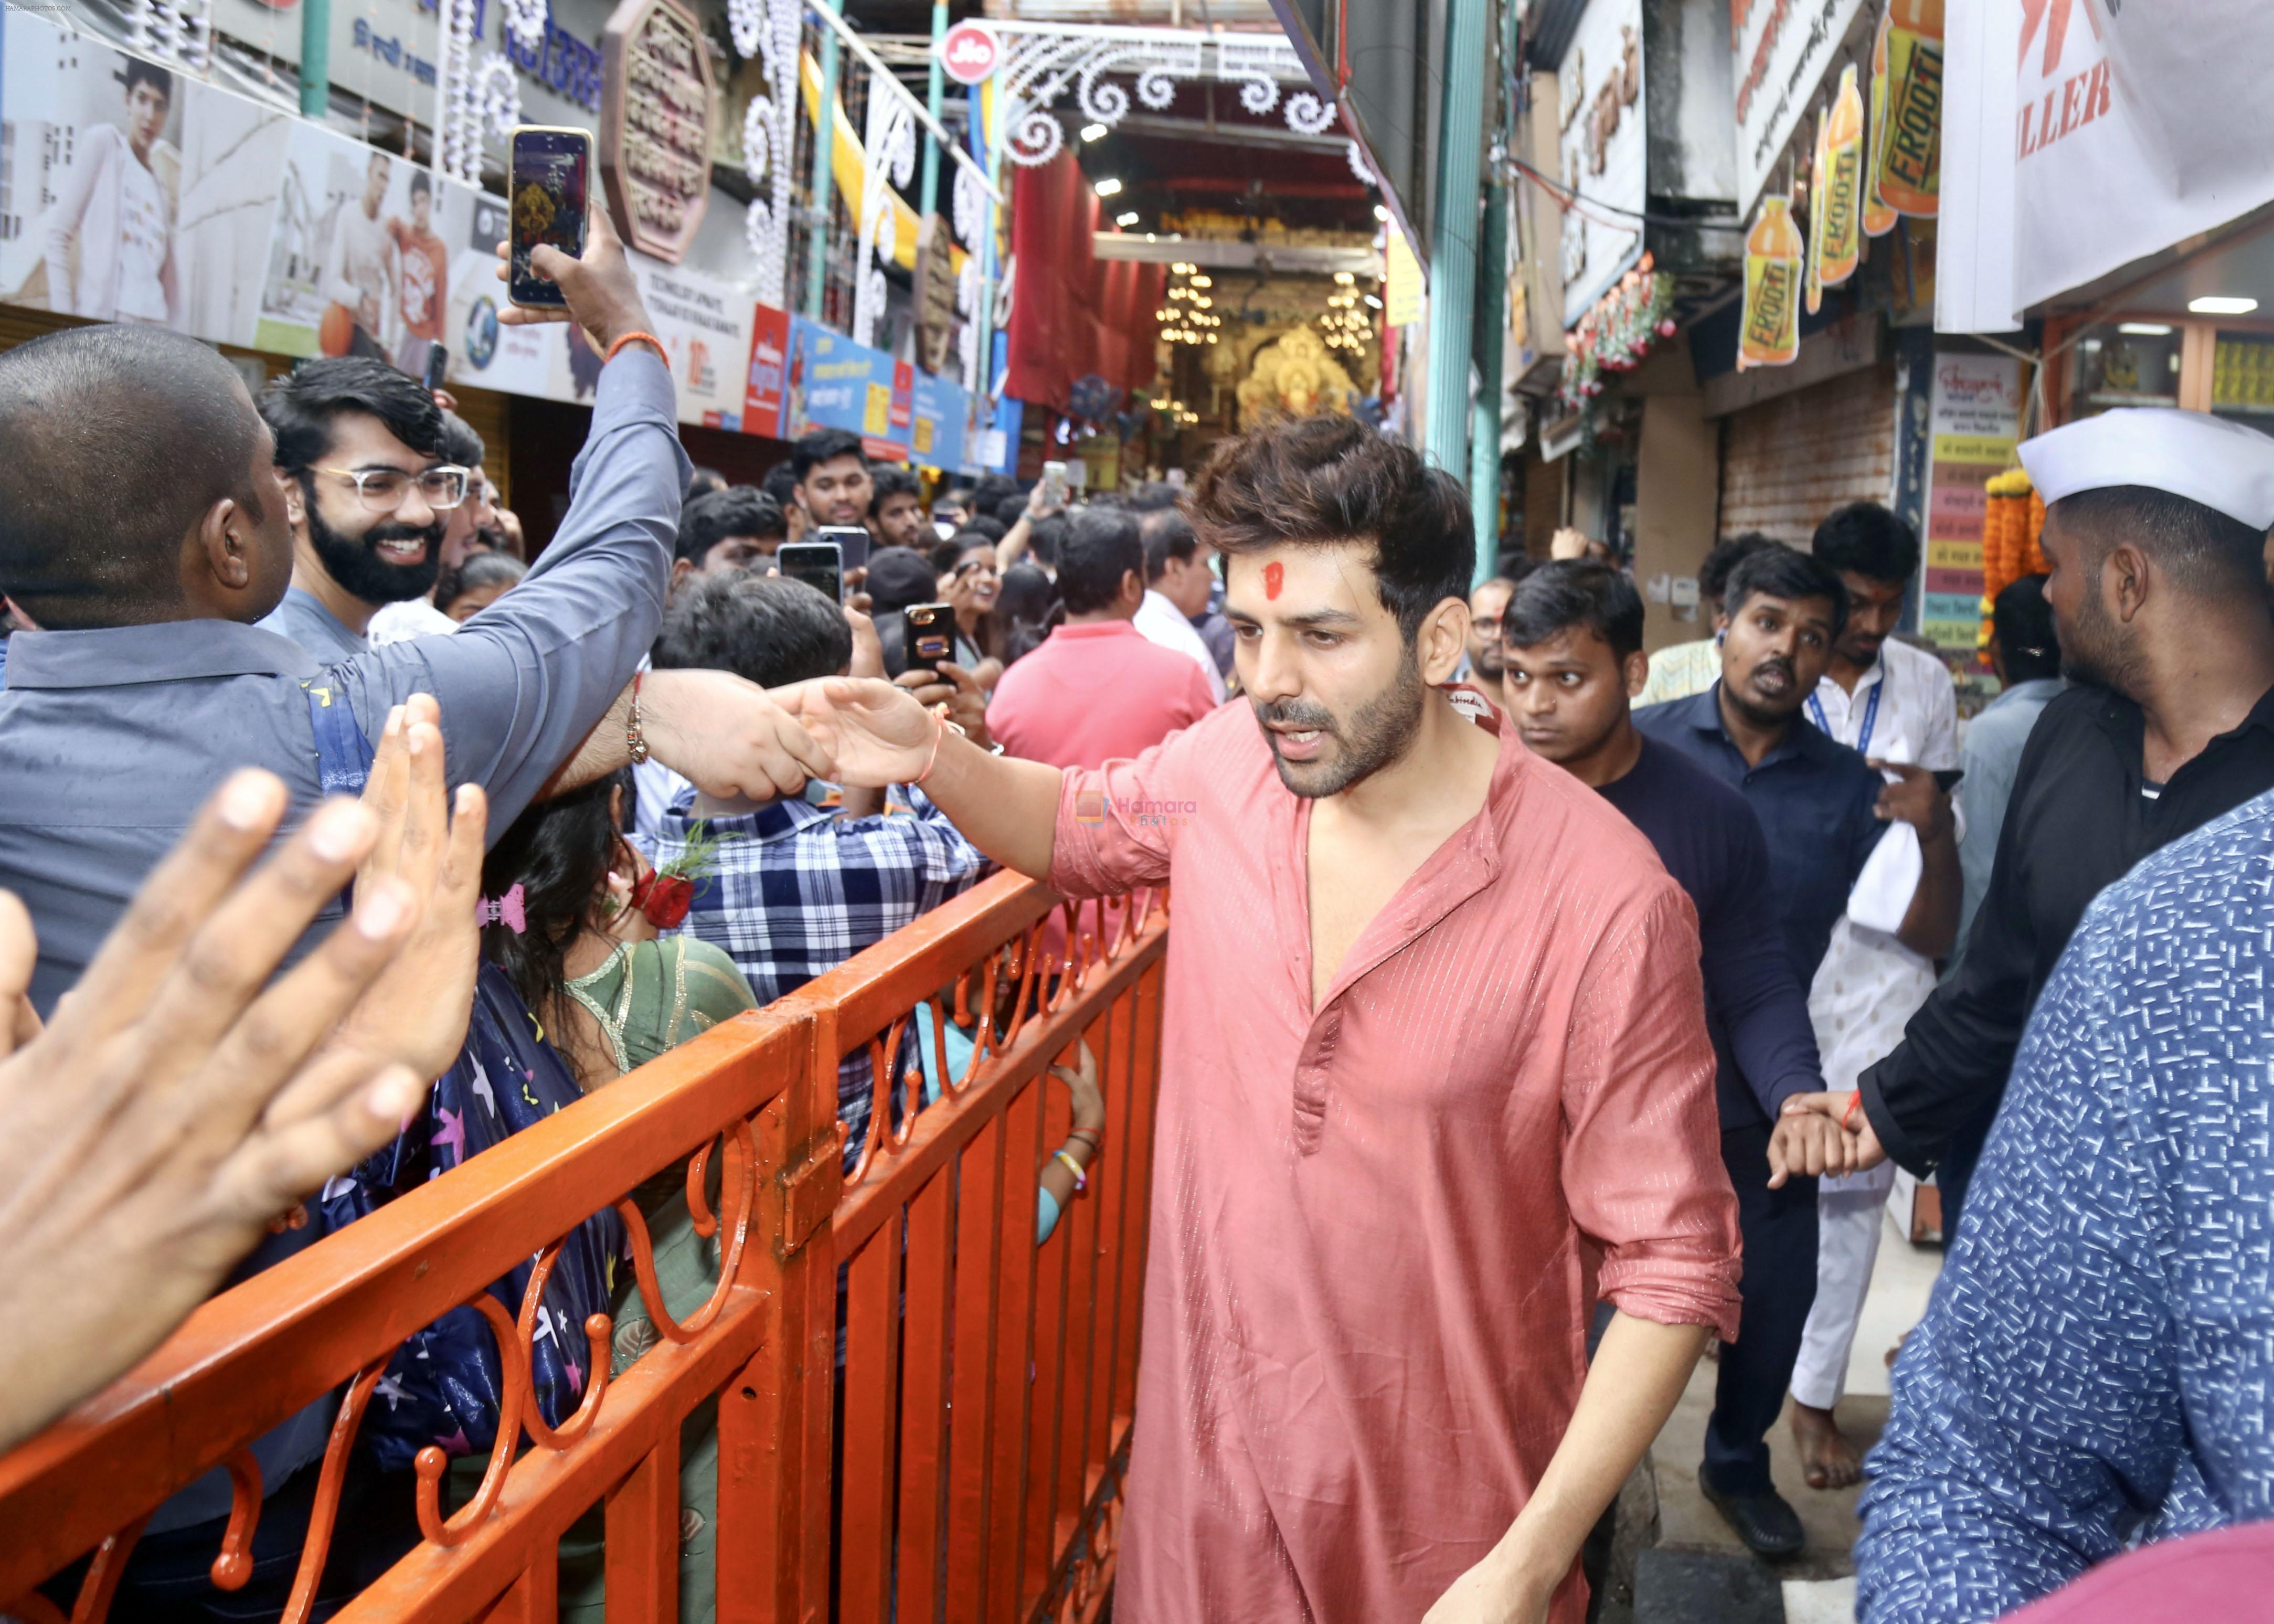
{"x": 1817, "y": 1586}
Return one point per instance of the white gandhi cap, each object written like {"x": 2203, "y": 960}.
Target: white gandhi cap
{"x": 2225, "y": 466}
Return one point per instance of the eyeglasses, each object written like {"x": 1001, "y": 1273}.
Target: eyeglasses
{"x": 1488, "y": 624}
{"x": 975, "y": 567}
{"x": 384, "y": 489}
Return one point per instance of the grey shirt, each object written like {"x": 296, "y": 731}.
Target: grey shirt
{"x": 1990, "y": 756}
{"x": 303, "y": 617}
{"x": 110, "y": 739}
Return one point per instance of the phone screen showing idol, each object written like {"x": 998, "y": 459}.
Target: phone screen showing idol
{"x": 551, "y": 193}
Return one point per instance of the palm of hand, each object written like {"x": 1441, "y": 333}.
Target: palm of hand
{"x": 875, "y": 734}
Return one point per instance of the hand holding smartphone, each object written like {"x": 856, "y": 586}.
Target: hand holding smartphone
{"x": 562, "y": 261}
{"x": 930, "y": 630}
{"x": 819, "y": 564}
{"x": 549, "y": 201}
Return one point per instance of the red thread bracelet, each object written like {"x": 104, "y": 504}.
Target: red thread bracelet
{"x": 1854, "y": 1099}
{"x": 939, "y": 715}
{"x": 648, "y": 339}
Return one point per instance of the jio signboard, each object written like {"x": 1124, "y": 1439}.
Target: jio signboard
{"x": 970, "y": 52}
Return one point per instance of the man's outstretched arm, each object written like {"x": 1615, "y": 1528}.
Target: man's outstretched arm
{"x": 877, "y": 735}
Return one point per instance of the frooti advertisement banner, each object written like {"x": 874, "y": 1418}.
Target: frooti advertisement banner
{"x": 136, "y": 194}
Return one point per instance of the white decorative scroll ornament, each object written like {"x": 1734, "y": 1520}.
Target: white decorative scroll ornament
{"x": 768, "y": 31}
{"x": 971, "y": 205}
{"x": 1359, "y": 167}
{"x": 890, "y": 138}
{"x": 1042, "y": 60}
{"x": 967, "y": 306}
{"x": 177, "y": 31}
{"x": 1307, "y": 115}
{"x": 479, "y": 99}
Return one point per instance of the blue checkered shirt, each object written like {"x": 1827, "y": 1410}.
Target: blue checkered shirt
{"x": 796, "y": 890}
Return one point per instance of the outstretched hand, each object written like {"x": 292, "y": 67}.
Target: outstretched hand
{"x": 177, "y": 1099}
{"x": 416, "y": 1012}
{"x": 873, "y": 734}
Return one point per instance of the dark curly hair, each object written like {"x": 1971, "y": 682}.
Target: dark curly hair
{"x": 558, "y": 852}
{"x": 1325, "y": 481}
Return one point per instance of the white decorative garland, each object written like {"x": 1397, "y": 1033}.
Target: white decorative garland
{"x": 971, "y": 204}
{"x": 967, "y": 306}
{"x": 769, "y": 31}
{"x": 177, "y": 31}
{"x": 478, "y": 98}
{"x": 892, "y": 152}
{"x": 1042, "y": 62}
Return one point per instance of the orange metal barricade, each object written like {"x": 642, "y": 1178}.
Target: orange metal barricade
{"x": 965, "y": 1462}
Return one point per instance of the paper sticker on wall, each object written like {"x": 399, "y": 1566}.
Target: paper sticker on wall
{"x": 1769, "y": 335}
{"x": 1909, "y": 163}
{"x": 1878, "y": 219}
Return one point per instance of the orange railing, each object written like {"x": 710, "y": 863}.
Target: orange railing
{"x": 966, "y": 1464}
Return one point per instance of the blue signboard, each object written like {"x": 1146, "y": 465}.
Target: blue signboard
{"x": 837, "y": 384}
{"x": 943, "y": 418}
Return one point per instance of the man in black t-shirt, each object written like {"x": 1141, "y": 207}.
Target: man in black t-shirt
{"x": 1572, "y": 636}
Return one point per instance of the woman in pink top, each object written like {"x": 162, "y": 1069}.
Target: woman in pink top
{"x": 1435, "y": 1078}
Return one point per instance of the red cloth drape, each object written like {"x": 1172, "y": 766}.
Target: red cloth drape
{"x": 1073, "y": 313}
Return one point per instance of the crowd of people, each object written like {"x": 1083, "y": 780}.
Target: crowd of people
{"x": 1541, "y": 1013}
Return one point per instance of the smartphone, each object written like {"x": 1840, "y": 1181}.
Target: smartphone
{"x": 1054, "y": 483}
{"x": 852, "y": 543}
{"x": 552, "y": 192}
{"x": 438, "y": 364}
{"x": 931, "y": 636}
{"x": 818, "y": 563}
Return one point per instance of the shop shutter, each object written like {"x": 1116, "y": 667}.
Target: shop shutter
{"x": 1787, "y": 463}
{"x": 485, "y": 412}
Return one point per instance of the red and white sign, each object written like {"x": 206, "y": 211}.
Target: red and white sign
{"x": 970, "y": 52}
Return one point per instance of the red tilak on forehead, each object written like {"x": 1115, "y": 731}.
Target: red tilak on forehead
{"x": 1274, "y": 576}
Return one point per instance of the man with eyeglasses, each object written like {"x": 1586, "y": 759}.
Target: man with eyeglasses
{"x": 368, "y": 495}
{"x": 1485, "y": 662}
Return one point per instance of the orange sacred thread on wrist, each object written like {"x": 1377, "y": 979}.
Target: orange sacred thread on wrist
{"x": 648, "y": 339}
{"x": 1854, "y": 1099}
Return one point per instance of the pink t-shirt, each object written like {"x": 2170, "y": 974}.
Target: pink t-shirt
{"x": 1094, "y": 694}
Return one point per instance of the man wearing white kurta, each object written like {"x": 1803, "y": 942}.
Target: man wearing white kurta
{"x": 1893, "y": 702}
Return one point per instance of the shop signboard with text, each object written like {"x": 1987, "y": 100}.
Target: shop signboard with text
{"x": 1974, "y": 418}
{"x": 837, "y": 384}
{"x": 1603, "y": 151}
{"x": 1784, "y": 48}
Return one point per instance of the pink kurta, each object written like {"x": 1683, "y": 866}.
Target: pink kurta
{"x": 1374, "y": 1224}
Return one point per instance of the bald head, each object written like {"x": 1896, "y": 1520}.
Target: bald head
{"x": 123, "y": 442}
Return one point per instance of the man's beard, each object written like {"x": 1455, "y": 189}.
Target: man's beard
{"x": 2093, "y": 650}
{"x": 354, "y": 563}
{"x": 1486, "y": 663}
{"x": 1380, "y": 733}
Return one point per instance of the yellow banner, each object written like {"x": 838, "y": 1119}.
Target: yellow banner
{"x": 1953, "y": 555}
{"x": 1986, "y": 450}
{"x": 1768, "y": 335}
{"x": 1812, "y": 284}
{"x": 1878, "y": 219}
{"x": 1405, "y": 294}
{"x": 877, "y": 416}
{"x": 1843, "y": 167}
{"x": 1910, "y": 159}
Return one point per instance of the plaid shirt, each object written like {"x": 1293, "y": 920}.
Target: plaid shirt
{"x": 796, "y": 890}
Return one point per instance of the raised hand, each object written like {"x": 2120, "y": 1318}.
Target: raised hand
{"x": 602, "y": 296}
{"x": 178, "y": 1100}
{"x": 416, "y": 1012}
{"x": 872, "y": 733}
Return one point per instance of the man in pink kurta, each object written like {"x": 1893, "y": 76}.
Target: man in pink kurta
{"x": 1389, "y": 1188}
{"x": 1373, "y": 1223}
